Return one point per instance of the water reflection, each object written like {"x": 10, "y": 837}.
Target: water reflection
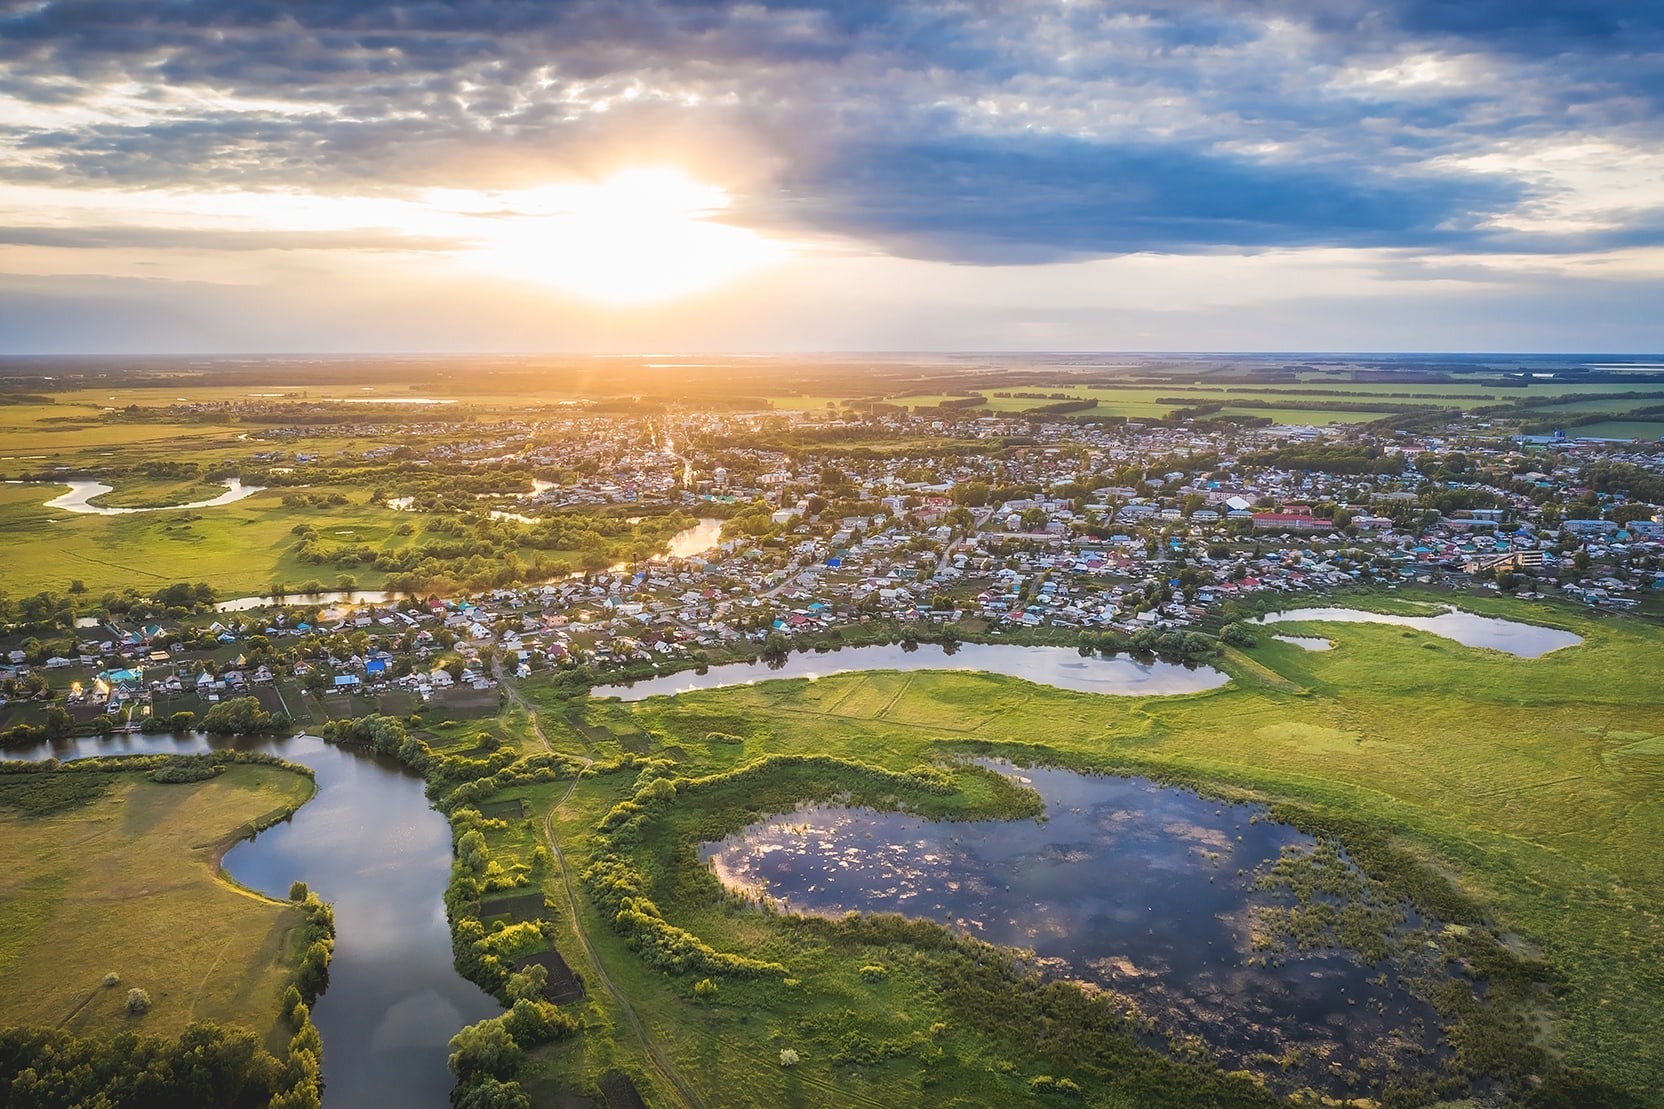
{"x": 369, "y": 844}
{"x": 1466, "y": 628}
{"x": 1054, "y": 666}
{"x": 1126, "y": 885}
{"x": 81, "y": 492}
{"x": 1306, "y": 642}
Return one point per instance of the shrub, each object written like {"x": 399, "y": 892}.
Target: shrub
{"x": 138, "y": 1002}
{"x": 485, "y": 1048}
{"x": 788, "y": 1057}
{"x": 705, "y": 989}
{"x": 112, "y": 980}
{"x": 873, "y": 972}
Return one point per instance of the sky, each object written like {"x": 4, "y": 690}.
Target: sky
{"x": 679, "y": 175}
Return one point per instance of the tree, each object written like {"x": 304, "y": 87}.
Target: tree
{"x": 484, "y": 1049}
{"x": 489, "y": 1093}
{"x": 238, "y": 716}
{"x": 58, "y": 722}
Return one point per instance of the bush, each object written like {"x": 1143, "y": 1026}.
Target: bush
{"x": 788, "y": 1057}
{"x": 112, "y": 980}
{"x": 489, "y": 1093}
{"x": 872, "y": 972}
{"x": 705, "y": 989}
{"x": 241, "y": 716}
{"x": 483, "y": 1049}
{"x": 138, "y": 1002}
{"x": 181, "y": 773}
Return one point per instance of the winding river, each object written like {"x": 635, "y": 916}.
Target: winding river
{"x": 81, "y": 492}
{"x": 369, "y": 844}
{"x": 1062, "y": 667}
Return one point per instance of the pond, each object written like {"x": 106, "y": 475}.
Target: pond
{"x": 1466, "y": 628}
{"x": 80, "y": 492}
{"x": 1062, "y": 667}
{"x": 369, "y": 844}
{"x": 1306, "y": 642}
{"x": 1127, "y": 886}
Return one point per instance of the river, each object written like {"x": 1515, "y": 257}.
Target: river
{"x": 701, "y": 537}
{"x": 80, "y": 492}
{"x": 1062, "y": 667}
{"x": 1493, "y": 632}
{"x": 368, "y": 843}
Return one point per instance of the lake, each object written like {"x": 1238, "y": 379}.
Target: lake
{"x": 1466, "y": 628}
{"x": 371, "y": 846}
{"x": 1126, "y": 885}
{"x": 1062, "y": 667}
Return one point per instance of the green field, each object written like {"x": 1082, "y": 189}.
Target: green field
{"x": 124, "y": 878}
{"x": 1620, "y": 429}
{"x": 239, "y": 548}
{"x": 1287, "y": 403}
{"x": 1536, "y": 787}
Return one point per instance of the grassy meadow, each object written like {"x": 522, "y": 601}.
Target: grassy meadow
{"x": 240, "y": 548}
{"x": 122, "y": 874}
{"x": 1532, "y": 786}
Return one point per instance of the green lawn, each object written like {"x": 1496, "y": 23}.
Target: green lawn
{"x": 127, "y": 881}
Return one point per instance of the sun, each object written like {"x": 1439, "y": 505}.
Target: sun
{"x": 640, "y": 236}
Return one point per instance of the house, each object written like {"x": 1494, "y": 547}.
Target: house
{"x": 1294, "y": 517}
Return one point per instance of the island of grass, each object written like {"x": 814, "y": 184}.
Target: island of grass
{"x": 1512, "y": 801}
{"x": 119, "y": 873}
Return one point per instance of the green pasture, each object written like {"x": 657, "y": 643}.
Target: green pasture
{"x": 1288, "y": 401}
{"x": 145, "y": 492}
{"x": 1537, "y": 786}
{"x": 1620, "y": 429}
{"x": 124, "y": 878}
{"x": 239, "y": 548}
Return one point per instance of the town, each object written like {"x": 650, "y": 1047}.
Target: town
{"x": 1024, "y": 528}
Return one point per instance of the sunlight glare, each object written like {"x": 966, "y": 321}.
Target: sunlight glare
{"x": 638, "y": 237}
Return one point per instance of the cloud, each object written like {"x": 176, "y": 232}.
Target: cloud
{"x": 1030, "y": 199}
{"x": 975, "y": 131}
{"x": 174, "y": 238}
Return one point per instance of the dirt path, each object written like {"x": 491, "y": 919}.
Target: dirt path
{"x": 667, "y": 1070}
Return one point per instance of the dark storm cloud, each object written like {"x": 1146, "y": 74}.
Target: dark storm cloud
{"x": 1039, "y": 199}
{"x": 972, "y": 131}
